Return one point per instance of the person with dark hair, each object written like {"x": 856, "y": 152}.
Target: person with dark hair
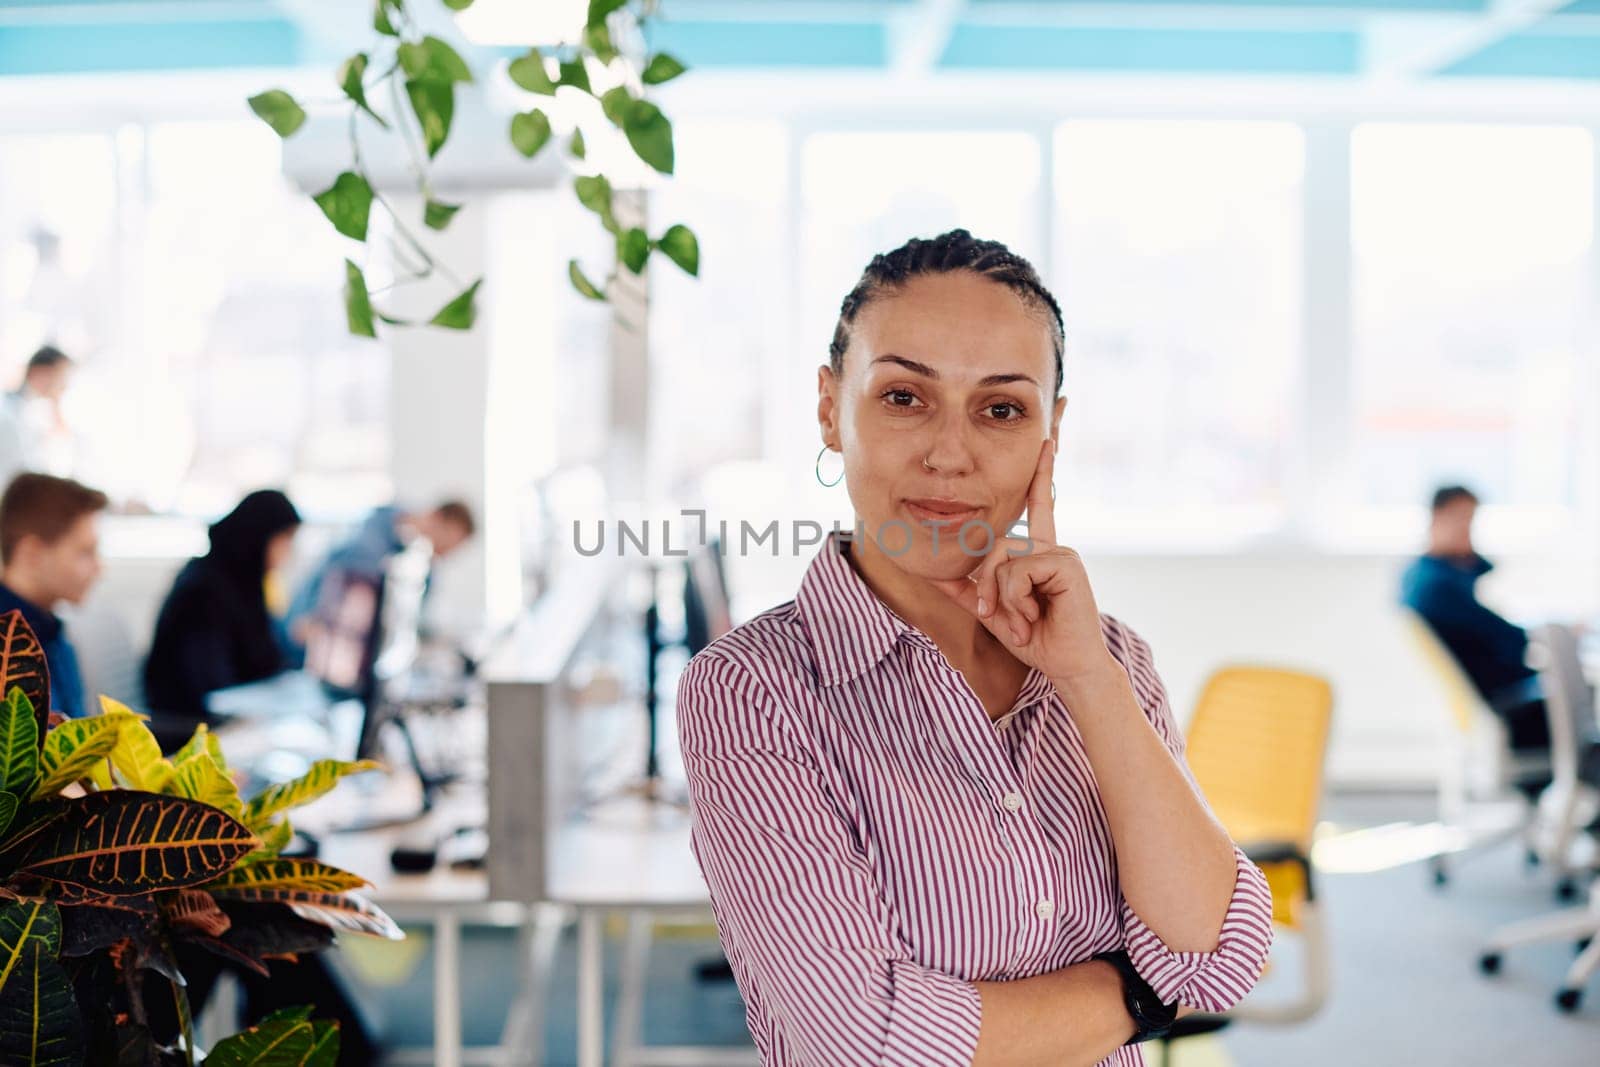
{"x": 385, "y": 532}
{"x": 33, "y": 431}
{"x": 49, "y": 555}
{"x": 214, "y": 629}
{"x": 1439, "y": 586}
{"x": 939, "y": 799}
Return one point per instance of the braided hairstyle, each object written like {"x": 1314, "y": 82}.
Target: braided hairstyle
{"x": 945, "y": 254}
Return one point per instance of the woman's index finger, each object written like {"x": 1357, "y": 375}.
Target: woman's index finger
{"x": 1041, "y": 508}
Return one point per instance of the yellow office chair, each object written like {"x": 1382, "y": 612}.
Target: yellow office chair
{"x": 1257, "y": 744}
{"x": 1479, "y": 804}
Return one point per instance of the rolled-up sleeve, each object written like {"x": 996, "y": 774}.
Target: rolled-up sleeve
{"x": 808, "y": 937}
{"x": 1216, "y": 980}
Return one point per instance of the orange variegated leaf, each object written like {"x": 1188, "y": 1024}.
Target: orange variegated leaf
{"x": 127, "y": 842}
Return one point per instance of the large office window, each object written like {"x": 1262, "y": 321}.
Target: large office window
{"x": 1178, "y": 266}
{"x": 1470, "y": 289}
{"x": 716, "y": 339}
{"x": 199, "y": 293}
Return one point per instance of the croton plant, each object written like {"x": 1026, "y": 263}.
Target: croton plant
{"x": 112, "y": 856}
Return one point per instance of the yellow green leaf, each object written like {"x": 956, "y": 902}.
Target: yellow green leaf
{"x": 199, "y": 778}
{"x": 289, "y": 874}
{"x": 72, "y": 749}
{"x": 137, "y": 755}
{"x": 323, "y": 776}
{"x": 274, "y": 839}
{"x": 19, "y": 743}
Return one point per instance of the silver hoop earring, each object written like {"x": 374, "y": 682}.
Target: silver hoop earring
{"x": 818, "y": 469}
{"x": 925, "y": 464}
{"x": 1052, "y": 492}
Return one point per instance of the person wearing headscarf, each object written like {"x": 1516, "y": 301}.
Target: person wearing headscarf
{"x": 215, "y": 629}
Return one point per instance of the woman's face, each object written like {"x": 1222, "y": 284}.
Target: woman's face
{"x": 954, "y": 370}
{"x": 280, "y": 548}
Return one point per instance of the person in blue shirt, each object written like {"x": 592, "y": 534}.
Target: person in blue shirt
{"x": 49, "y": 555}
{"x": 1439, "y": 586}
{"x": 384, "y": 533}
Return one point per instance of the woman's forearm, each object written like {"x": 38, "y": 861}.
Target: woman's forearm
{"x": 1175, "y": 863}
{"x": 1073, "y": 1016}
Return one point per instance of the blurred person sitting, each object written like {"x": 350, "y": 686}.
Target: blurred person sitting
{"x": 214, "y": 629}
{"x": 33, "y": 431}
{"x": 49, "y": 555}
{"x": 385, "y": 532}
{"x": 1439, "y": 586}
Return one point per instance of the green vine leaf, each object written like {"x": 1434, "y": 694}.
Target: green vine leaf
{"x": 599, "y": 9}
{"x": 350, "y": 76}
{"x": 594, "y": 193}
{"x": 8, "y": 811}
{"x": 575, "y": 74}
{"x": 680, "y": 245}
{"x": 348, "y": 204}
{"x": 461, "y": 312}
{"x": 650, "y": 134}
{"x": 615, "y": 103}
{"x": 357, "y": 302}
{"x": 598, "y": 40}
{"x": 576, "y": 145}
{"x": 581, "y": 282}
{"x": 530, "y": 130}
{"x": 529, "y": 73}
{"x": 633, "y": 248}
{"x": 433, "y": 58}
{"x": 380, "y": 16}
{"x": 278, "y": 109}
{"x": 436, "y": 215}
{"x": 434, "y": 103}
{"x": 457, "y": 5}
{"x": 661, "y": 68}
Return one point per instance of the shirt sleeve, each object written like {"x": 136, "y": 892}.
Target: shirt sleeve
{"x": 1216, "y": 980}
{"x": 807, "y": 935}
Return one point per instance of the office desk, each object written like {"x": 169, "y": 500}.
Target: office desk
{"x": 630, "y": 858}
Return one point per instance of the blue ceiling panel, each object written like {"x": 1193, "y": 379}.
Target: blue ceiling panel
{"x": 1533, "y": 55}
{"x": 99, "y": 46}
{"x": 743, "y": 43}
{"x": 1315, "y": 5}
{"x": 1219, "y": 51}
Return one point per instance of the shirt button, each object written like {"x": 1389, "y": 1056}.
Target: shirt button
{"x": 1012, "y": 801}
{"x": 1045, "y": 909}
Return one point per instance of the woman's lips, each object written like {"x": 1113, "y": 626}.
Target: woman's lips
{"x": 942, "y": 513}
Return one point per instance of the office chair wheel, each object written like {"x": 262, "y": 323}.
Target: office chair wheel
{"x": 1569, "y": 999}
{"x": 1531, "y": 859}
{"x": 1489, "y": 963}
{"x": 1582, "y": 945}
{"x": 1441, "y": 875}
{"x": 1567, "y": 890}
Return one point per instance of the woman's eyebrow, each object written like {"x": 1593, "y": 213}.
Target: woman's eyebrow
{"x": 928, "y": 372}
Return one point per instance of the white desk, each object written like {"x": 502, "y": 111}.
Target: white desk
{"x": 627, "y": 858}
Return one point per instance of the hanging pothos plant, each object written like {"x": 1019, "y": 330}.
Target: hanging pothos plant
{"x": 418, "y": 73}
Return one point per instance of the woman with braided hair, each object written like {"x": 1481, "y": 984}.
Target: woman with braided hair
{"x": 939, "y": 798}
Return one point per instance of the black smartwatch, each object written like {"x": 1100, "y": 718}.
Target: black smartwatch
{"x": 1150, "y": 1016}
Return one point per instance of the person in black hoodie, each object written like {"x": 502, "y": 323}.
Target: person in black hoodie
{"x": 214, "y": 629}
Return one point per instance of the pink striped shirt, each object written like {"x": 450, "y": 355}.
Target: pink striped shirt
{"x": 874, "y": 844}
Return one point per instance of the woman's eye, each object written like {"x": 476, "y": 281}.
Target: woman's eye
{"x": 900, "y": 398}
{"x": 1005, "y": 412}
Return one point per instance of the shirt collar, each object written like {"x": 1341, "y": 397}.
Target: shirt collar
{"x": 851, "y": 630}
{"x": 44, "y": 623}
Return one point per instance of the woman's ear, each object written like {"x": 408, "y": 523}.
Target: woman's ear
{"x": 1055, "y": 420}
{"x": 827, "y": 404}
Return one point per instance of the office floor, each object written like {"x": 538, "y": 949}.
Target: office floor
{"x": 1405, "y": 987}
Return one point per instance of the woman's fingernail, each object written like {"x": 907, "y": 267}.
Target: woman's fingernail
{"x": 983, "y": 606}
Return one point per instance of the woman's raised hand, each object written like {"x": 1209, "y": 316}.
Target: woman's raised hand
{"x": 1034, "y": 594}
